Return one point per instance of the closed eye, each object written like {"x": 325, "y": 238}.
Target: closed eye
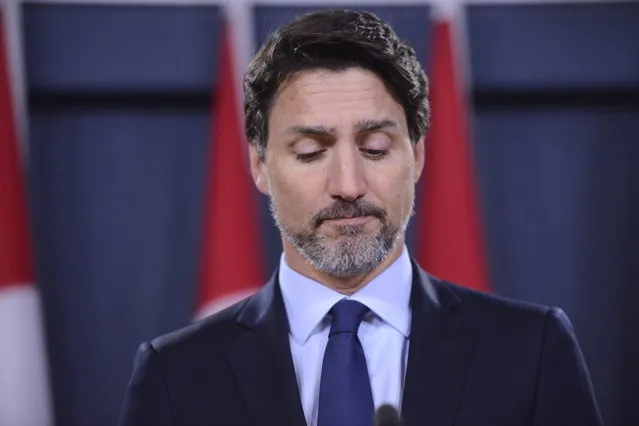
{"x": 375, "y": 153}
{"x": 309, "y": 156}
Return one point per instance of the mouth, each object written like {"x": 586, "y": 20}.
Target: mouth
{"x": 344, "y": 221}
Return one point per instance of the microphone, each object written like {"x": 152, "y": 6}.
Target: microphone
{"x": 387, "y": 415}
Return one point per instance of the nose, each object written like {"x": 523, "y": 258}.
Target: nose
{"x": 347, "y": 180}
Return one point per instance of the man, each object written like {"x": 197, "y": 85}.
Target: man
{"x": 336, "y": 113}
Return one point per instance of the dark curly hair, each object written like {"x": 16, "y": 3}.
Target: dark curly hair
{"x": 334, "y": 40}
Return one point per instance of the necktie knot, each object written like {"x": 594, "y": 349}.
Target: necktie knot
{"x": 347, "y": 316}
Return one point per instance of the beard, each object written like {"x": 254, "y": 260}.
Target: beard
{"x": 354, "y": 251}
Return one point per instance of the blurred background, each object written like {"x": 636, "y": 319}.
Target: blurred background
{"x": 120, "y": 136}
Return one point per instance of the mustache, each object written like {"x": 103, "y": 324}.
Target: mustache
{"x": 341, "y": 209}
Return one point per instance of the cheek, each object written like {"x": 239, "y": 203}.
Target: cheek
{"x": 397, "y": 191}
{"x": 294, "y": 196}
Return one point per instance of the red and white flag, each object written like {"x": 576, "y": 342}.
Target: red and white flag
{"x": 24, "y": 386}
{"x": 450, "y": 238}
{"x": 231, "y": 262}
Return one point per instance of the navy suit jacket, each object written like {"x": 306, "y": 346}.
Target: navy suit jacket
{"x": 474, "y": 359}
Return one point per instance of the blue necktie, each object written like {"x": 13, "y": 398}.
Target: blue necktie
{"x": 345, "y": 397}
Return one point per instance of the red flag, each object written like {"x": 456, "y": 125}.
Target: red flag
{"x": 15, "y": 254}
{"x": 231, "y": 263}
{"x": 24, "y": 391}
{"x": 450, "y": 238}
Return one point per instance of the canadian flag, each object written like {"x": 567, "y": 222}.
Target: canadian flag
{"x": 231, "y": 262}
{"x": 24, "y": 386}
{"x": 450, "y": 237}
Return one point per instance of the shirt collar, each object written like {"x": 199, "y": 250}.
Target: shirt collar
{"x": 307, "y": 302}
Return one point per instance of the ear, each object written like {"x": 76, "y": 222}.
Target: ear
{"x": 258, "y": 170}
{"x": 419, "y": 157}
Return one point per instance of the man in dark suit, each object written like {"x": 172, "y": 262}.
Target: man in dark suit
{"x": 336, "y": 112}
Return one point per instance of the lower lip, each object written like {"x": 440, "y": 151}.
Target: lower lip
{"x": 351, "y": 220}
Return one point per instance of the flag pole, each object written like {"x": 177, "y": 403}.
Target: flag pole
{"x": 14, "y": 46}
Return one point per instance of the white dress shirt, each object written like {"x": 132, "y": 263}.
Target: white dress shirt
{"x": 383, "y": 333}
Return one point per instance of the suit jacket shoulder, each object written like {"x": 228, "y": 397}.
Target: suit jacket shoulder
{"x": 520, "y": 358}
{"x": 491, "y": 310}
{"x": 214, "y": 330}
{"x": 219, "y": 370}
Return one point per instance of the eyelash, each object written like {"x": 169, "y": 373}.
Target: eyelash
{"x": 307, "y": 157}
{"x": 374, "y": 154}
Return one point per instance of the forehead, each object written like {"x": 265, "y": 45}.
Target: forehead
{"x": 332, "y": 98}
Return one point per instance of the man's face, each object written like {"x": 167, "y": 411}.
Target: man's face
{"x": 339, "y": 169}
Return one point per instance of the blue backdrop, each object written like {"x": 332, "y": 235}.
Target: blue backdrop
{"x": 119, "y": 121}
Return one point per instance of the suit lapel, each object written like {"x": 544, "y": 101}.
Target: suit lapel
{"x": 439, "y": 355}
{"x": 261, "y": 361}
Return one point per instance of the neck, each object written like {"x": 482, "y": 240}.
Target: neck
{"x": 346, "y": 285}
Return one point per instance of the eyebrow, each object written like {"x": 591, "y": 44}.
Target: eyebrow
{"x": 361, "y": 127}
{"x": 373, "y": 125}
{"x": 313, "y": 131}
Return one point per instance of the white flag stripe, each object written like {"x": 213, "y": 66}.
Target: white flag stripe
{"x": 24, "y": 391}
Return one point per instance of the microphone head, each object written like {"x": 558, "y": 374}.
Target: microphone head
{"x": 387, "y": 415}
